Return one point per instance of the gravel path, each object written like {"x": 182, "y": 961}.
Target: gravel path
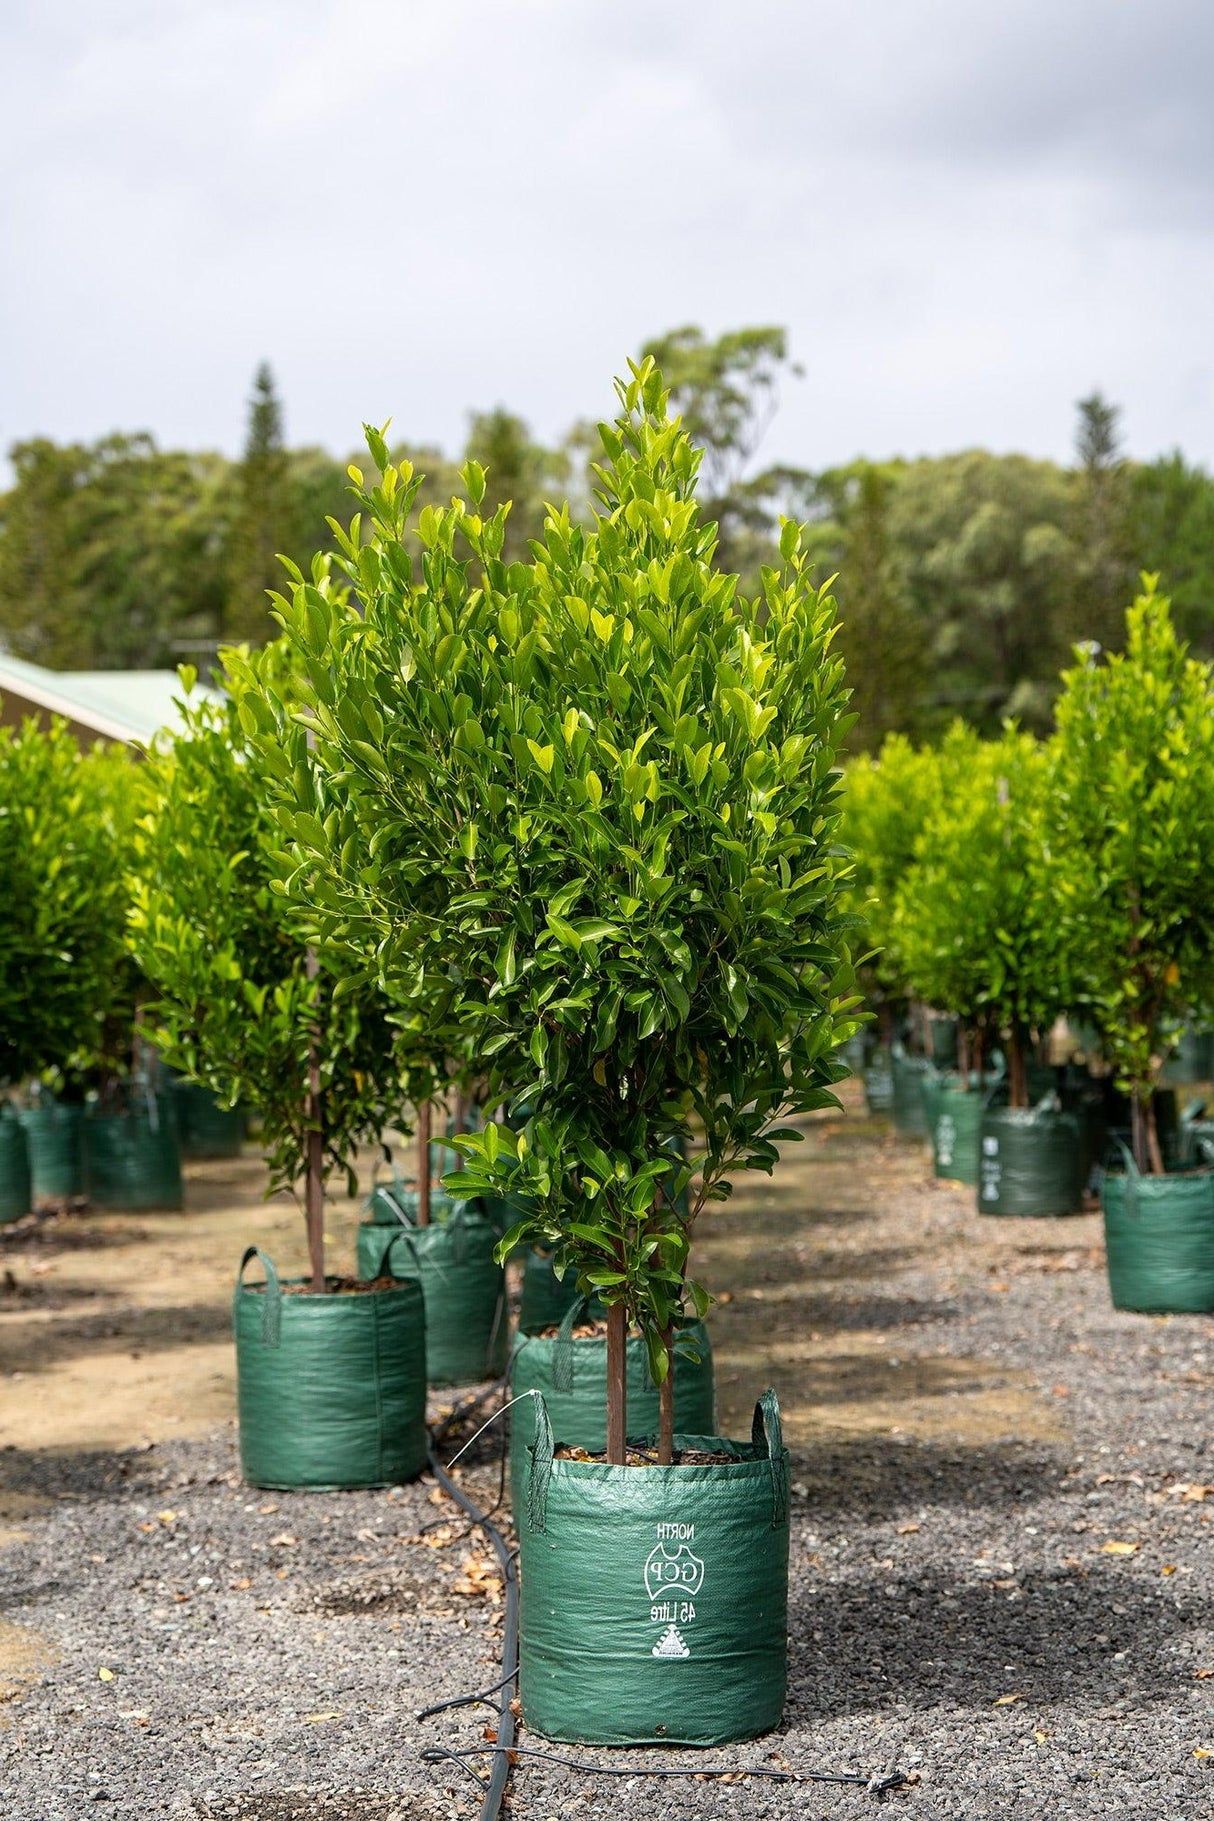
{"x": 957, "y": 1610}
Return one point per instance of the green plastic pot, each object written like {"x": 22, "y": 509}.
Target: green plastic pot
{"x": 1033, "y": 1161}
{"x": 908, "y": 1075}
{"x": 204, "y": 1128}
{"x": 571, "y": 1375}
{"x": 15, "y": 1198}
{"x": 546, "y": 1298}
{"x": 54, "y": 1132}
{"x": 956, "y": 1118}
{"x": 132, "y": 1159}
{"x": 1159, "y": 1239}
{"x": 331, "y": 1389}
{"x": 654, "y": 1600}
{"x": 467, "y": 1323}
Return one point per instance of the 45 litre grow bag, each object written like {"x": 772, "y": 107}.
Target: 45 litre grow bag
{"x": 132, "y": 1158}
{"x": 1032, "y": 1162}
{"x": 14, "y": 1168}
{"x": 1159, "y": 1237}
{"x": 54, "y": 1131}
{"x": 204, "y": 1128}
{"x": 546, "y": 1298}
{"x": 910, "y": 1112}
{"x": 331, "y": 1389}
{"x": 571, "y": 1375}
{"x": 655, "y": 1599}
{"x": 463, "y": 1284}
{"x": 956, "y": 1116}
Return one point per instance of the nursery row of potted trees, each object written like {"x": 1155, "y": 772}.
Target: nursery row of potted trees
{"x": 1024, "y": 881}
{"x": 566, "y": 833}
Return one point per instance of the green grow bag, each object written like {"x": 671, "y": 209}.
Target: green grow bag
{"x": 54, "y": 1132}
{"x": 204, "y": 1128}
{"x": 945, "y": 1035}
{"x": 1159, "y": 1237}
{"x": 654, "y": 1602}
{"x": 464, "y": 1286}
{"x": 546, "y": 1298}
{"x": 1192, "y": 1061}
{"x": 910, "y": 1114}
{"x": 956, "y": 1116}
{"x": 132, "y": 1159}
{"x": 331, "y": 1389}
{"x": 14, "y": 1168}
{"x": 1033, "y": 1161}
{"x": 572, "y": 1376}
{"x": 879, "y": 1083}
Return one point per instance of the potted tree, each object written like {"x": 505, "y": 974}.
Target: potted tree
{"x": 1130, "y": 826}
{"x": 598, "y": 792}
{"x": 331, "y": 1372}
{"x": 64, "y": 820}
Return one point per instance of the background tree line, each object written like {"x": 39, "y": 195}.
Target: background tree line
{"x": 964, "y": 579}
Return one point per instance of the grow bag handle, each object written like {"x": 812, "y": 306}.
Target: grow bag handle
{"x": 562, "y": 1352}
{"x": 767, "y": 1435}
{"x": 1132, "y": 1177}
{"x": 540, "y": 1450}
{"x": 271, "y": 1311}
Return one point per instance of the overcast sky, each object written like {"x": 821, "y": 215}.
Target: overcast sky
{"x": 968, "y": 213}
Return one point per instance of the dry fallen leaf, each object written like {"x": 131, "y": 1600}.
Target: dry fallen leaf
{"x": 1202, "y": 1675}
{"x": 908, "y": 1529}
{"x": 243, "y": 1585}
{"x": 1202, "y": 1751}
{"x": 284, "y": 1540}
{"x": 147, "y": 1529}
{"x": 168, "y": 1517}
{"x": 267, "y": 1510}
{"x": 319, "y": 1719}
{"x": 1001, "y": 1289}
{"x": 281, "y": 1573}
{"x": 479, "y": 1579}
{"x": 1007, "y": 1700}
{"x": 1168, "y": 1568}
{"x": 1060, "y": 1390}
{"x": 1042, "y": 1733}
{"x": 105, "y": 1675}
{"x": 1115, "y": 1548}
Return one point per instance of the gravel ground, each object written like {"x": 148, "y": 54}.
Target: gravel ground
{"x": 957, "y": 1610}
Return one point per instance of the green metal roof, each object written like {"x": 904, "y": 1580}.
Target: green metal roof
{"x": 128, "y": 705}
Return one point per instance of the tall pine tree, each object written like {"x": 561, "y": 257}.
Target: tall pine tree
{"x": 263, "y": 517}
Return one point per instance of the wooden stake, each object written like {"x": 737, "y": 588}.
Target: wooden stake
{"x": 617, "y": 1383}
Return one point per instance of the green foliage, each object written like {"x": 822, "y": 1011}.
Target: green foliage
{"x": 974, "y": 921}
{"x": 241, "y": 1007}
{"x": 886, "y": 802}
{"x": 66, "y": 989}
{"x": 1130, "y": 827}
{"x": 519, "y": 472}
{"x": 586, "y": 809}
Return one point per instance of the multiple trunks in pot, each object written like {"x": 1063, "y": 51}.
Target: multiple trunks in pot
{"x": 132, "y": 1158}
{"x": 463, "y": 1284}
{"x": 654, "y": 1603}
{"x": 571, "y": 1376}
{"x": 54, "y": 1131}
{"x": 1159, "y": 1237}
{"x": 1033, "y": 1162}
{"x": 14, "y": 1167}
{"x": 332, "y": 1388}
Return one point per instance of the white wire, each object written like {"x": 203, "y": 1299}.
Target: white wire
{"x": 499, "y": 1412}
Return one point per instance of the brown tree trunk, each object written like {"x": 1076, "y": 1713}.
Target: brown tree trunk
{"x": 666, "y": 1405}
{"x": 617, "y": 1383}
{"x": 1018, "y": 1080}
{"x": 1145, "y": 1134}
{"x": 458, "y": 1123}
{"x": 963, "y": 1054}
{"x": 314, "y": 1183}
{"x": 423, "y": 1164}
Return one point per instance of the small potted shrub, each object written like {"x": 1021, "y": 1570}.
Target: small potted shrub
{"x": 331, "y": 1372}
{"x": 63, "y": 970}
{"x": 1131, "y": 830}
{"x": 597, "y": 792}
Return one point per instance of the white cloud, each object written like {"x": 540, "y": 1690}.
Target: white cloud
{"x": 967, "y": 216}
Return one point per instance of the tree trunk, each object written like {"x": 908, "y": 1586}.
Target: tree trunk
{"x": 1145, "y": 1134}
{"x": 617, "y": 1383}
{"x": 314, "y": 1182}
{"x": 963, "y": 1054}
{"x": 1018, "y": 1080}
{"x": 458, "y": 1123}
{"x": 423, "y": 1164}
{"x": 666, "y": 1405}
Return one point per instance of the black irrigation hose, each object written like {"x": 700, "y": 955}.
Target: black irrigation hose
{"x": 494, "y": 1787}
{"x": 877, "y": 1786}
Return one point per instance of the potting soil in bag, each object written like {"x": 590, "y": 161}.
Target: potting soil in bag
{"x": 332, "y": 1388}
{"x": 654, "y": 1600}
{"x": 1033, "y": 1162}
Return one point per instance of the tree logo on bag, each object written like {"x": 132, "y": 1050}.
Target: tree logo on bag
{"x": 670, "y": 1644}
{"x": 673, "y": 1571}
